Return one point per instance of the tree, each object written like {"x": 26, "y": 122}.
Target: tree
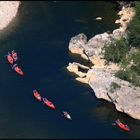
{"x": 116, "y": 51}
{"x": 133, "y": 29}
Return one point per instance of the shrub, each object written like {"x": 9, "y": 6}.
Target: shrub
{"x": 116, "y": 51}
{"x": 114, "y": 86}
{"x": 133, "y": 29}
{"x": 133, "y": 32}
{"x": 136, "y": 61}
{"x": 129, "y": 75}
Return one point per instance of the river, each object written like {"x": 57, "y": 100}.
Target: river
{"x": 40, "y": 34}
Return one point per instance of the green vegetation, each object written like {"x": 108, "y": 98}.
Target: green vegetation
{"x": 136, "y": 62}
{"x": 116, "y": 51}
{"x": 121, "y": 51}
{"x": 129, "y": 75}
{"x": 114, "y": 86}
{"x": 133, "y": 29}
{"x": 130, "y": 72}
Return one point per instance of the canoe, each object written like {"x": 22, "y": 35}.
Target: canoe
{"x": 9, "y": 58}
{"x": 122, "y": 126}
{"x": 37, "y": 95}
{"x": 67, "y": 115}
{"x": 18, "y": 70}
{"x": 14, "y": 55}
{"x": 48, "y": 103}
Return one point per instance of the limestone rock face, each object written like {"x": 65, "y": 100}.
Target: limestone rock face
{"x": 8, "y": 10}
{"x": 78, "y": 42}
{"x": 100, "y": 76}
{"x": 94, "y": 46}
{"x": 126, "y": 98}
{"x": 73, "y": 67}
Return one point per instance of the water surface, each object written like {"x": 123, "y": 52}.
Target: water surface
{"x": 40, "y": 34}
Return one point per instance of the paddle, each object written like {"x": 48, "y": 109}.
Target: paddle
{"x": 6, "y": 55}
{"x": 14, "y": 66}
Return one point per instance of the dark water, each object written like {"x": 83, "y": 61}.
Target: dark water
{"x": 40, "y": 34}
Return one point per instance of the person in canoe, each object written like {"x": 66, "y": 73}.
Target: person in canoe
{"x": 48, "y": 103}
{"x": 17, "y": 70}
{"x": 122, "y": 126}
{"x": 67, "y": 115}
{"x": 9, "y": 58}
{"x": 14, "y": 55}
{"x": 37, "y": 95}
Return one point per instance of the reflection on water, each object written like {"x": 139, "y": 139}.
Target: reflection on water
{"x": 106, "y": 112}
{"x": 80, "y": 20}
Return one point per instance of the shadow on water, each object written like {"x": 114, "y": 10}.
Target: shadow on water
{"x": 41, "y": 36}
{"x": 106, "y": 112}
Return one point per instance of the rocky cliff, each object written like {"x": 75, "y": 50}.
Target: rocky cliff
{"x": 101, "y": 77}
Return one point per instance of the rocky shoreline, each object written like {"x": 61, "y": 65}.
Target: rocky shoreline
{"x": 8, "y": 11}
{"x": 101, "y": 76}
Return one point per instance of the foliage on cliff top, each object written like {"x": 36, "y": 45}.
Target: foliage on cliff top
{"x": 114, "y": 86}
{"x": 133, "y": 29}
{"x": 116, "y": 51}
{"x": 119, "y": 52}
{"x": 132, "y": 73}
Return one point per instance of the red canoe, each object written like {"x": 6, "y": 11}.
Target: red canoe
{"x": 122, "y": 126}
{"x": 18, "y": 70}
{"x": 9, "y": 58}
{"x": 48, "y": 103}
{"x": 14, "y": 55}
{"x": 37, "y": 95}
